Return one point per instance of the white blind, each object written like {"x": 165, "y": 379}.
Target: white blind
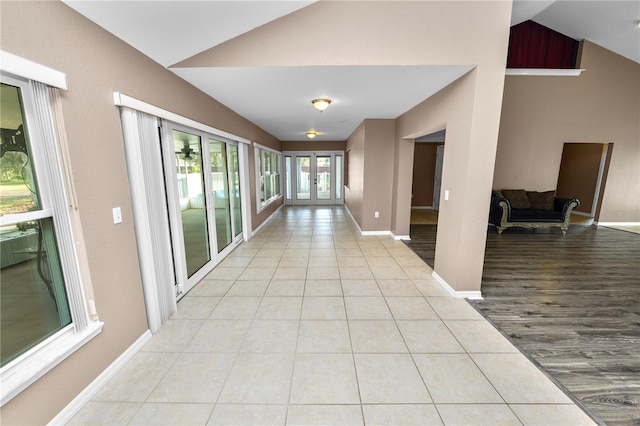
{"x": 146, "y": 181}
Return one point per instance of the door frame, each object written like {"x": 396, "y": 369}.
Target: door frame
{"x": 290, "y": 179}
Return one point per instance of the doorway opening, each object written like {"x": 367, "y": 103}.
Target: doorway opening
{"x": 582, "y": 175}
{"x": 425, "y": 196}
{"x": 314, "y": 178}
{"x": 427, "y": 178}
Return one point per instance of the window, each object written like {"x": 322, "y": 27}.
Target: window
{"x": 268, "y": 175}
{"x": 43, "y": 317}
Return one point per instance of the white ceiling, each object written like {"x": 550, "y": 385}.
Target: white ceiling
{"x": 149, "y": 26}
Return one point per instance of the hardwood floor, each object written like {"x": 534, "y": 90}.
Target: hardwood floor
{"x": 572, "y": 304}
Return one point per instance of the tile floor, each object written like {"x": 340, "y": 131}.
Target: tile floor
{"x": 309, "y": 323}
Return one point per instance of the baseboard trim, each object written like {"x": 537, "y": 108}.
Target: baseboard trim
{"x": 255, "y": 231}
{"x": 67, "y": 413}
{"x": 618, "y": 223}
{"x": 375, "y": 232}
{"x": 400, "y": 237}
{"x": 473, "y": 295}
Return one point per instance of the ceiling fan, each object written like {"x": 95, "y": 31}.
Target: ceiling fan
{"x": 186, "y": 151}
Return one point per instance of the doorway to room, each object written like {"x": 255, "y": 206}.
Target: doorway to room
{"x": 582, "y": 175}
{"x": 314, "y": 178}
{"x": 427, "y": 178}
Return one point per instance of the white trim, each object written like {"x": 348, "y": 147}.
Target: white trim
{"x": 33, "y": 71}
{"x": 266, "y": 148}
{"x": 12, "y": 219}
{"x": 400, "y": 237}
{"x": 266, "y": 220}
{"x": 120, "y": 99}
{"x": 245, "y": 190}
{"x": 545, "y": 72}
{"x": 67, "y": 413}
{"x": 618, "y": 223}
{"x": 596, "y": 196}
{"x": 474, "y": 295}
{"x": 375, "y": 232}
{"x": 39, "y": 360}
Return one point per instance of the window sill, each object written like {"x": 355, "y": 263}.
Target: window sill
{"x": 39, "y": 360}
{"x": 266, "y": 204}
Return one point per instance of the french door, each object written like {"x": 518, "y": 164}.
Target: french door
{"x": 314, "y": 178}
{"x": 204, "y": 199}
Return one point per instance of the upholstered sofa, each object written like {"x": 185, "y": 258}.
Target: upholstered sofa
{"x": 530, "y": 209}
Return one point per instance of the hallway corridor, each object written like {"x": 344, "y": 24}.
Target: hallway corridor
{"x": 311, "y": 323}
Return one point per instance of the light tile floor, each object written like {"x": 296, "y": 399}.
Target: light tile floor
{"x": 311, "y": 323}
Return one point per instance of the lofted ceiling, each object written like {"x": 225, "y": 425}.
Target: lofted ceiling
{"x": 149, "y": 26}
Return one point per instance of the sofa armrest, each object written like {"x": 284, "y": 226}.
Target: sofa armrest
{"x": 500, "y": 211}
{"x": 565, "y": 205}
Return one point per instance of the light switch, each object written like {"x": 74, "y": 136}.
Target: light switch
{"x": 446, "y": 195}
{"x": 117, "y": 215}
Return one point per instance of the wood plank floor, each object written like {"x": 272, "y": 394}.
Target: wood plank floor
{"x": 572, "y": 304}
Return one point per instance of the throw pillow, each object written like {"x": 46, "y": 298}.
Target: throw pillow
{"x": 541, "y": 200}
{"x": 517, "y": 198}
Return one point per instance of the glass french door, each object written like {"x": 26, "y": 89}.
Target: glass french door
{"x": 313, "y": 178}
{"x": 203, "y": 190}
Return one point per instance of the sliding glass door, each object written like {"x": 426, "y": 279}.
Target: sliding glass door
{"x": 204, "y": 196}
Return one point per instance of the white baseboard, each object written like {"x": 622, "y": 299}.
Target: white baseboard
{"x": 255, "y": 231}
{"x": 474, "y": 295}
{"x": 400, "y": 237}
{"x": 90, "y": 391}
{"x": 375, "y": 232}
{"x": 364, "y": 233}
{"x": 618, "y": 223}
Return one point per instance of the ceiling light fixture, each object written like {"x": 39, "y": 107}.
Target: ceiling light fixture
{"x": 311, "y": 134}
{"x": 321, "y": 104}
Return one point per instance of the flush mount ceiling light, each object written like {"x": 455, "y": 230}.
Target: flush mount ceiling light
{"x": 321, "y": 104}
{"x": 311, "y": 134}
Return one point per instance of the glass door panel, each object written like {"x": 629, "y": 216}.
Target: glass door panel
{"x": 188, "y": 162}
{"x": 303, "y": 178}
{"x": 323, "y": 178}
{"x": 220, "y": 193}
{"x": 236, "y": 204}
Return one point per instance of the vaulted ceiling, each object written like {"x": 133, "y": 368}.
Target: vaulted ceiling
{"x": 170, "y": 32}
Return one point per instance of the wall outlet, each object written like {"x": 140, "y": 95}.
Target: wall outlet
{"x": 376, "y": 215}
{"x": 117, "y": 215}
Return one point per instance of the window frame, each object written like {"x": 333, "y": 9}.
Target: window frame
{"x": 274, "y": 158}
{"x": 35, "y": 82}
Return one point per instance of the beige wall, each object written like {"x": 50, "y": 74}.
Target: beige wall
{"x": 378, "y": 174}
{"x": 540, "y": 114}
{"x": 97, "y": 64}
{"x": 354, "y": 192}
{"x": 316, "y": 146}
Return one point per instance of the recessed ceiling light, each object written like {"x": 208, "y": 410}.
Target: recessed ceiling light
{"x": 321, "y": 104}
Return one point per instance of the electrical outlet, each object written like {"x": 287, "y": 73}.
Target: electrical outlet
{"x": 117, "y": 215}
{"x": 376, "y": 215}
